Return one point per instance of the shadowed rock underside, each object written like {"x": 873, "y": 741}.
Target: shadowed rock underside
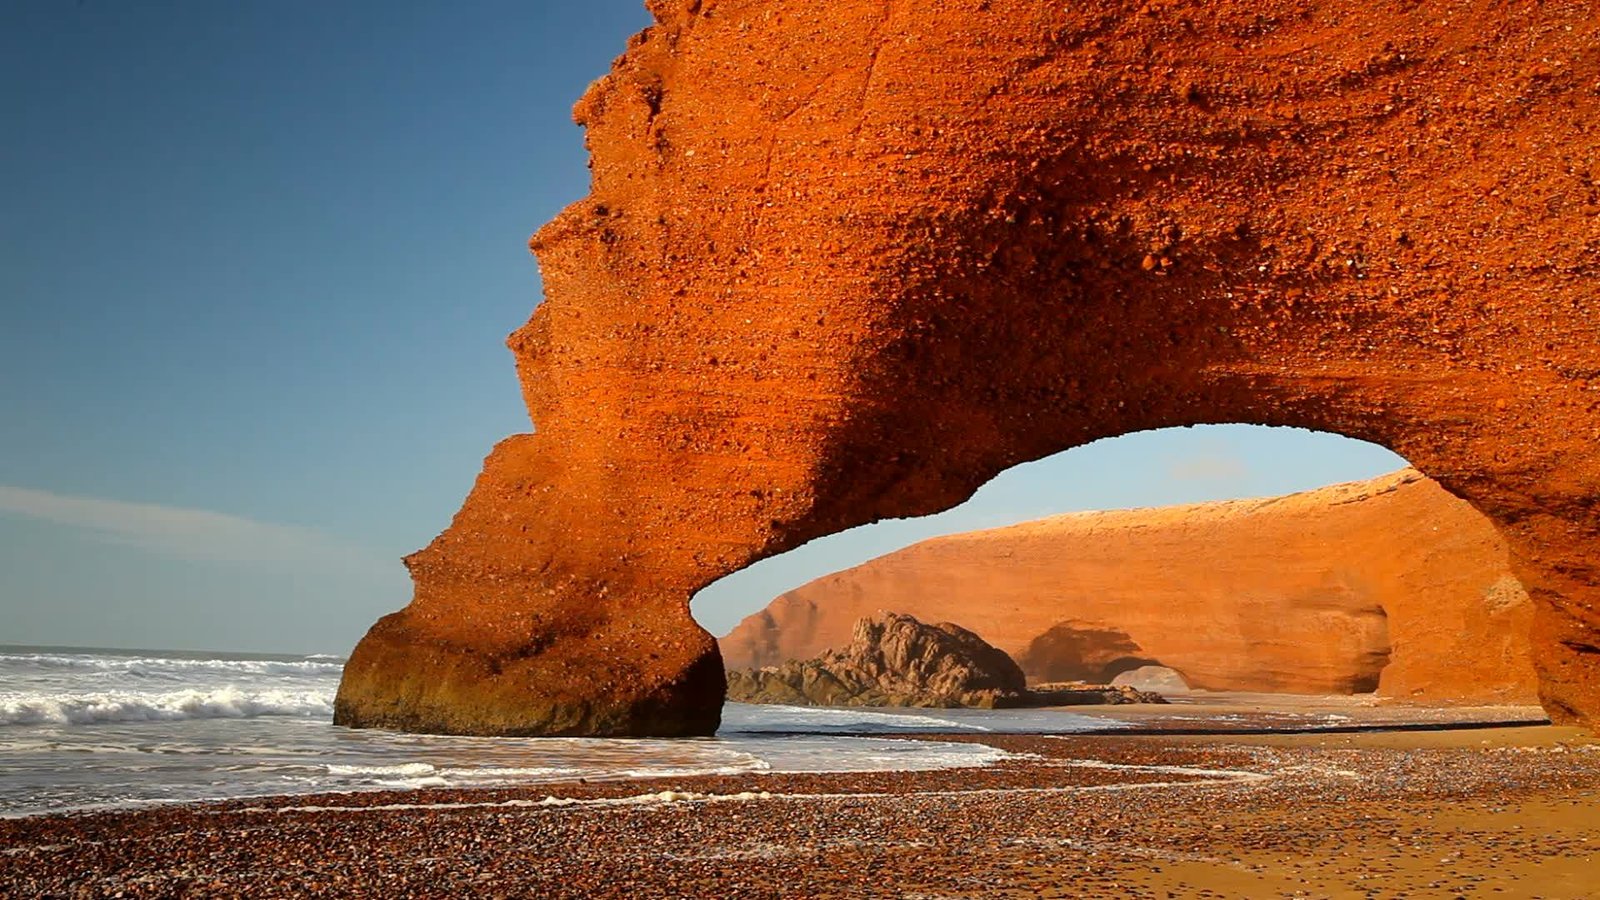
{"x": 847, "y": 261}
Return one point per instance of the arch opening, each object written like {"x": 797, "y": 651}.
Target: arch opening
{"x": 1219, "y": 558}
{"x": 1076, "y": 650}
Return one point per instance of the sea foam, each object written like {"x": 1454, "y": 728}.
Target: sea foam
{"x": 741, "y": 718}
{"x": 149, "y": 665}
{"x": 121, "y": 706}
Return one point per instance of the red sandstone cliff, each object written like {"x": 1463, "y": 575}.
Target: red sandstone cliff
{"x": 845, "y": 261}
{"x": 1389, "y": 584}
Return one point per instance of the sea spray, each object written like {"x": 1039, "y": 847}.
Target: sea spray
{"x": 98, "y": 707}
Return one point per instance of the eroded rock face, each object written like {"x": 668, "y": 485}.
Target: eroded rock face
{"x": 891, "y": 660}
{"x": 1070, "y": 650}
{"x": 849, "y": 260}
{"x": 1389, "y": 585}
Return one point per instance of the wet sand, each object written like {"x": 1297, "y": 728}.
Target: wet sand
{"x": 1474, "y": 813}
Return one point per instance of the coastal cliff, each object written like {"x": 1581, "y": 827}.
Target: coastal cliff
{"x": 848, "y": 261}
{"x": 1389, "y": 585}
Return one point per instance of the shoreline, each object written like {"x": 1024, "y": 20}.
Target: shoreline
{"x": 1110, "y": 815}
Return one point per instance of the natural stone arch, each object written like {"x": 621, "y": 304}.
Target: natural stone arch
{"x": 1075, "y": 650}
{"x": 848, "y": 261}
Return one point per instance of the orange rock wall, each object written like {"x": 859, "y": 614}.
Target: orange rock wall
{"x": 1389, "y": 584}
{"x": 850, "y": 260}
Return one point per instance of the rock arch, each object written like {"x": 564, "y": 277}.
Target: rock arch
{"x": 848, "y": 261}
{"x": 1075, "y": 650}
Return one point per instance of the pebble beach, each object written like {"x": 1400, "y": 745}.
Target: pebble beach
{"x": 1501, "y": 812}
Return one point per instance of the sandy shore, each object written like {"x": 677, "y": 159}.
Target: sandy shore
{"x": 1503, "y": 812}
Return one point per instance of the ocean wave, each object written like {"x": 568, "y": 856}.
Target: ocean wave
{"x": 459, "y": 775}
{"x": 403, "y": 770}
{"x": 497, "y": 773}
{"x": 165, "y": 665}
{"x": 746, "y": 719}
{"x": 90, "y": 708}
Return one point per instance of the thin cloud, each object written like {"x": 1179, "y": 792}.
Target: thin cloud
{"x": 193, "y": 534}
{"x": 1208, "y": 468}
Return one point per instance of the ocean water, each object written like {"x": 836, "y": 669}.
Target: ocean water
{"x": 85, "y": 729}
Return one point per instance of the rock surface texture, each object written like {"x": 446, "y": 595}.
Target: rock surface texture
{"x": 1390, "y": 585}
{"x": 891, "y": 660}
{"x": 850, "y": 260}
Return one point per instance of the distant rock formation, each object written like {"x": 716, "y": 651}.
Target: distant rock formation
{"x": 891, "y": 660}
{"x": 1390, "y": 585}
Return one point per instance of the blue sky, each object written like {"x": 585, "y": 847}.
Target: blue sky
{"x": 257, "y": 263}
